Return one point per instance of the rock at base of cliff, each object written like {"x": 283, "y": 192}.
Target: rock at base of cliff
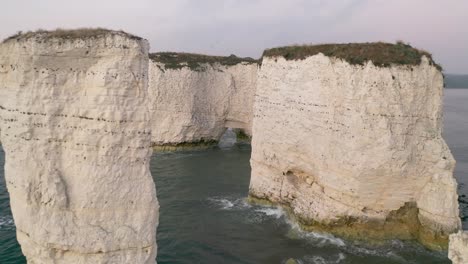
{"x": 458, "y": 247}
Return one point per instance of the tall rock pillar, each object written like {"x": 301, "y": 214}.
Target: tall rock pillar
{"x": 75, "y": 130}
{"x": 350, "y": 138}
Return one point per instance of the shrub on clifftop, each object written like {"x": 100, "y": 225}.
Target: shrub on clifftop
{"x": 380, "y": 53}
{"x": 80, "y": 33}
{"x": 174, "y": 60}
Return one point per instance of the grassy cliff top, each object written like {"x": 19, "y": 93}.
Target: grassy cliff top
{"x": 381, "y": 54}
{"x": 174, "y": 60}
{"x": 80, "y": 33}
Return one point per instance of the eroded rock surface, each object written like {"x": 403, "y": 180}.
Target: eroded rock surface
{"x": 75, "y": 127}
{"x": 197, "y": 105}
{"x": 355, "y": 149}
{"x": 458, "y": 247}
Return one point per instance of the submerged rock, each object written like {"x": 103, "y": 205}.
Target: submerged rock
{"x": 76, "y": 133}
{"x": 353, "y": 148}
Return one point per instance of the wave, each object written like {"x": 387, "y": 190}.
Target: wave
{"x": 275, "y": 212}
{"x": 316, "y": 238}
{"x": 260, "y": 214}
{"x": 329, "y": 260}
{"x": 223, "y": 203}
{"x": 6, "y": 222}
{"x": 332, "y": 259}
{"x": 230, "y": 203}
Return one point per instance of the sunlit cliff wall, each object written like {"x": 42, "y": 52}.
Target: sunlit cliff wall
{"x": 75, "y": 127}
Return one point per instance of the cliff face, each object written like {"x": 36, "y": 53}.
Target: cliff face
{"x": 355, "y": 149}
{"x": 458, "y": 247}
{"x": 75, "y": 128}
{"x": 194, "y": 105}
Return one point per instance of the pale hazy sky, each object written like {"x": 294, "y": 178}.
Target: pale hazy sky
{"x": 247, "y": 27}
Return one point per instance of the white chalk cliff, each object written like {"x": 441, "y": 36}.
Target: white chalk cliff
{"x": 351, "y": 149}
{"x": 75, "y": 127}
{"x": 355, "y": 149}
{"x": 192, "y": 105}
{"x": 458, "y": 247}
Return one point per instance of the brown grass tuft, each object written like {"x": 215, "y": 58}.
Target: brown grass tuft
{"x": 174, "y": 60}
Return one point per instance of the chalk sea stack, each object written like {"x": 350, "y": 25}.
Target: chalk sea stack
{"x": 76, "y": 133}
{"x": 348, "y": 137}
{"x": 196, "y": 97}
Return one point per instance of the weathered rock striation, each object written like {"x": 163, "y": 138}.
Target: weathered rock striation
{"x": 196, "y": 97}
{"x": 458, "y": 247}
{"x": 75, "y": 127}
{"x": 354, "y": 147}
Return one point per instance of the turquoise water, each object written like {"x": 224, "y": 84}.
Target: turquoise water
{"x": 205, "y": 218}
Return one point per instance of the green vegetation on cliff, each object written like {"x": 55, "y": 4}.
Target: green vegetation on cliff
{"x": 241, "y": 136}
{"x": 200, "y": 144}
{"x": 380, "y": 53}
{"x": 80, "y": 33}
{"x": 174, "y": 60}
